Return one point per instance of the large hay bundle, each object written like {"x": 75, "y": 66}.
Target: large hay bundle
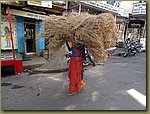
{"x": 96, "y": 32}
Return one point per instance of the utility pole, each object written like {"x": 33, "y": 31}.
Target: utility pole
{"x": 10, "y": 20}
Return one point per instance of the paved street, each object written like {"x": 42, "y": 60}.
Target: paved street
{"x": 106, "y": 88}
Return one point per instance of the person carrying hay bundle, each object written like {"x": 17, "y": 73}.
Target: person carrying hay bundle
{"x": 95, "y": 32}
{"x": 75, "y": 73}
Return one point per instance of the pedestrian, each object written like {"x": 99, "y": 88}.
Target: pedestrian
{"x": 75, "y": 73}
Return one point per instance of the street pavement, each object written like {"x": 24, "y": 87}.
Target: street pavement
{"x": 107, "y": 88}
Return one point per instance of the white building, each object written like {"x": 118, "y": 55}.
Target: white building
{"x": 137, "y": 22}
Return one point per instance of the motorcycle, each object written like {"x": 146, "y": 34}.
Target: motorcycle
{"x": 67, "y": 55}
{"x": 89, "y": 59}
{"x": 133, "y": 48}
{"x": 138, "y": 46}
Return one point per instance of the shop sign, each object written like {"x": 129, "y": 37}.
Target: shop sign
{"x": 47, "y": 4}
{"x": 106, "y": 5}
{"x": 136, "y": 24}
{"x": 27, "y": 14}
{"x": 11, "y": 2}
{"x": 139, "y": 8}
{"x": 61, "y": 4}
{"x": 6, "y": 2}
{"x": 5, "y": 34}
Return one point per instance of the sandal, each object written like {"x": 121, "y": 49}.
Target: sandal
{"x": 72, "y": 93}
{"x": 82, "y": 83}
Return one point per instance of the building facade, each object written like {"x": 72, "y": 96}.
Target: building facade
{"x": 27, "y": 24}
{"x": 137, "y": 23}
{"x": 96, "y": 7}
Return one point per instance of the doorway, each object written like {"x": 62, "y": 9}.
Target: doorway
{"x": 29, "y": 34}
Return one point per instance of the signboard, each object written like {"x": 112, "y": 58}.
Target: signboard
{"x": 136, "y": 24}
{"x": 61, "y": 4}
{"x": 47, "y": 4}
{"x": 139, "y": 8}
{"x": 27, "y": 14}
{"x": 5, "y": 34}
{"x": 7, "y": 2}
{"x": 106, "y": 5}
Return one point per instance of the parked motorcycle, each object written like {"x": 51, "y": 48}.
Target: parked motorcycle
{"x": 89, "y": 59}
{"x": 67, "y": 55}
{"x": 138, "y": 46}
{"x": 133, "y": 48}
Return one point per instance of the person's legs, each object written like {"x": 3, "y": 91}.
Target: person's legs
{"x": 83, "y": 83}
{"x": 74, "y": 75}
{"x": 82, "y": 77}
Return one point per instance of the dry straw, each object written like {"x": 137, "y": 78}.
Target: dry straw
{"x": 96, "y": 32}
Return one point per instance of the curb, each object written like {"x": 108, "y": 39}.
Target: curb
{"x": 122, "y": 53}
{"x": 50, "y": 70}
{"x": 29, "y": 67}
{"x": 37, "y": 70}
{"x": 118, "y": 54}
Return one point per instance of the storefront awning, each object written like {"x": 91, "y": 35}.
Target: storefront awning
{"x": 140, "y": 16}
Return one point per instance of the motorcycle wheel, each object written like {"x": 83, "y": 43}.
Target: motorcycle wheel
{"x": 139, "y": 51}
{"x": 93, "y": 62}
{"x": 134, "y": 54}
{"x": 125, "y": 55}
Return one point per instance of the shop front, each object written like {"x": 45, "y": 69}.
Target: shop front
{"x": 137, "y": 23}
{"x": 121, "y": 28}
{"x": 136, "y": 29}
{"x": 29, "y": 36}
{"x": 29, "y": 26}
{"x": 9, "y": 58}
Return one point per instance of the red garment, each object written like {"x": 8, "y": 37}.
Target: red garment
{"x": 75, "y": 73}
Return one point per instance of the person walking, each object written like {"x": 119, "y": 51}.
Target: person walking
{"x": 75, "y": 73}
